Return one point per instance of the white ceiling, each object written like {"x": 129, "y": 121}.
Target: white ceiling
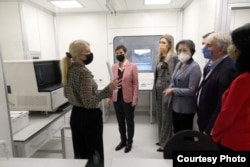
{"x": 119, "y": 5}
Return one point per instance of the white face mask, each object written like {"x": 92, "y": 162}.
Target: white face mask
{"x": 183, "y": 57}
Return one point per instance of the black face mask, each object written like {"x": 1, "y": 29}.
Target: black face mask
{"x": 120, "y": 58}
{"x": 89, "y": 59}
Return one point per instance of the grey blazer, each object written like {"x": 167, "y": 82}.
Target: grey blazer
{"x": 185, "y": 81}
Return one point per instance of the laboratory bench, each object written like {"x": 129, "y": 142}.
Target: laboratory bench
{"x": 42, "y": 127}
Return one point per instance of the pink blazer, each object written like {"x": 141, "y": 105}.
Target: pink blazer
{"x": 129, "y": 82}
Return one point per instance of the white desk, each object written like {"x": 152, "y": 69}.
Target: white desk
{"x": 41, "y": 162}
{"x": 40, "y": 130}
{"x": 140, "y": 162}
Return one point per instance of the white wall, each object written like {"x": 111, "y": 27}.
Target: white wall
{"x": 11, "y": 33}
{"x": 199, "y": 19}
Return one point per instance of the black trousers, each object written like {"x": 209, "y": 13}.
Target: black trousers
{"x": 87, "y": 133}
{"x": 125, "y": 117}
{"x": 182, "y": 122}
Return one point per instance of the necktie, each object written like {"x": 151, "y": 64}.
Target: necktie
{"x": 207, "y": 68}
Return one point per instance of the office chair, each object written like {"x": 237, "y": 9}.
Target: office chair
{"x": 189, "y": 140}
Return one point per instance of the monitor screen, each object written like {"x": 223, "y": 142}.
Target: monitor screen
{"x": 48, "y": 75}
{"x": 143, "y": 58}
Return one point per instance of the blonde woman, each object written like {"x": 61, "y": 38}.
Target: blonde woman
{"x": 166, "y": 61}
{"x": 81, "y": 91}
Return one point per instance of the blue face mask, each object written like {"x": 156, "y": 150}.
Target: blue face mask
{"x": 207, "y": 53}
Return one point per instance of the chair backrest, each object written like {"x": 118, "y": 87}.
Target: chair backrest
{"x": 189, "y": 140}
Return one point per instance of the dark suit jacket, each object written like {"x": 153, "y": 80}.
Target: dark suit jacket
{"x": 212, "y": 89}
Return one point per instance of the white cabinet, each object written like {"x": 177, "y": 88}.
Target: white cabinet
{"x": 27, "y": 148}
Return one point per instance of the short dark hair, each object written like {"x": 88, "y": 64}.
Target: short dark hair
{"x": 189, "y": 43}
{"x": 121, "y": 47}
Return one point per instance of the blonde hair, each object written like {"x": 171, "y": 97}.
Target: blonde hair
{"x": 170, "y": 41}
{"x": 75, "y": 48}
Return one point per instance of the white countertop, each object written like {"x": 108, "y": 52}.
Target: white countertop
{"x": 140, "y": 162}
{"x": 41, "y": 162}
{"x": 37, "y": 121}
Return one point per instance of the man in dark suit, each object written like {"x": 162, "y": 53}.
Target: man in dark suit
{"x": 217, "y": 76}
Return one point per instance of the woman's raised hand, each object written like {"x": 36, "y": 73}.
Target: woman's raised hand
{"x": 115, "y": 84}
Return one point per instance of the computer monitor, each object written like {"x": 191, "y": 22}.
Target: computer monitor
{"x": 48, "y": 75}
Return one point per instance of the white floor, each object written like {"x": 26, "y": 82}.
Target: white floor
{"x": 143, "y": 146}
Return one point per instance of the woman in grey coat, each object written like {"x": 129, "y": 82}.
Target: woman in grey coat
{"x": 184, "y": 84}
{"x": 166, "y": 62}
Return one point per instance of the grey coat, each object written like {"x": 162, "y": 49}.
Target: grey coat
{"x": 185, "y": 81}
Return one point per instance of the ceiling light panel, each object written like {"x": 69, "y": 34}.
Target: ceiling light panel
{"x": 66, "y": 3}
{"x": 156, "y": 2}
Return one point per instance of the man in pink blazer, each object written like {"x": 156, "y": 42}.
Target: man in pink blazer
{"x": 125, "y": 98}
